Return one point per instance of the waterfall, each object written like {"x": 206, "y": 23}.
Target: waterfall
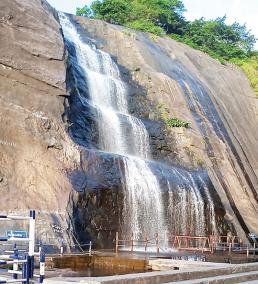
{"x": 212, "y": 219}
{"x": 123, "y": 134}
{"x": 143, "y": 207}
{"x": 186, "y": 208}
{"x": 143, "y": 200}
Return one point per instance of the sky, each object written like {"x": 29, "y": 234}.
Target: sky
{"x": 241, "y": 11}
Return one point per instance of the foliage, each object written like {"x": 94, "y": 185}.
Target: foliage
{"x": 200, "y": 162}
{"x": 155, "y": 16}
{"x": 175, "y": 122}
{"x": 250, "y": 67}
{"x": 171, "y": 122}
{"x": 190, "y": 42}
{"x": 145, "y": 26}
{"x": 166, "y": 14}
{"x": 112, "y": 11}
{"x": 84, "y": 12}
{"x": 160, "y": 17}
{"x": 164, "y": 111}
{"x": 218, "y": 39}
{"x": 165, "y": 17}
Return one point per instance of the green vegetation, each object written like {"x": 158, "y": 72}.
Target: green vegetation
{"x": 145, "y": 26}
{"x": 250, "y": 67}
{"x": 156, "y": 16}
{"x": 171, "y": 122}
{"x": 200, "y": 162}
{"x": 218, "y": 39}
{"x": 165, "y": 17}
{"x": 175, "y": 122}
{"x": 164, "y": 111}
{"x": 84, "y": 12}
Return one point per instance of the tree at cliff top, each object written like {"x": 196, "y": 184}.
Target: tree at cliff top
{"x": 156, "y": 16}
{"x": 162, "y": 17}
{"x": 219, "y": 39}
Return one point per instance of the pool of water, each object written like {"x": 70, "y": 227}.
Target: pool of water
{"x": 94, "y": 272}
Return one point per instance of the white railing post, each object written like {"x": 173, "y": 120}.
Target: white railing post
{"x": 42, "y": 267}
{"x": 117, "y": 242}
{"x": 15, "y": 264}
{"x": 62, "y": 248}
{"x": 90, "y": 248}
{"x": 32, "y": 242}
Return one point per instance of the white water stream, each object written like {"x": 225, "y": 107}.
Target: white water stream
{"x": 143, "y": 212}
{"x": 143, "y": 206}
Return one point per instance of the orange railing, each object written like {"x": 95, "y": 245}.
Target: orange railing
{"x": 212, "y": 243}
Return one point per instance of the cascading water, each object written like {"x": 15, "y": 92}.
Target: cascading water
{"x": 144, "y": 212}
{"x": 143, "y": 206}
{"x": 186, "y": 210}
{"x": 212, "y": 218}
{"x": 125, "y": 135}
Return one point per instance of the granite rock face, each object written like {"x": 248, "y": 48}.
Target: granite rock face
{"x": 51, "y": 164}
{"x": 35, "y": 150}
{"x": 97, "y": 206}
{"x": 217, "y": 100}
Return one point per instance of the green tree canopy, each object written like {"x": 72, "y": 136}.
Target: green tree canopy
{"x": 112, "y": 11}
{"x": 166, "y": 17}
{"x": 215, "y": 36}
{"x": 84, "y": 12}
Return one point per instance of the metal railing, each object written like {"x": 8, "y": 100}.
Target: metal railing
{"x": 63, "y": 248}
{"x": 133, "y": 243}
{"x": 24, "y": 258}
{"x": 230, "y": 244}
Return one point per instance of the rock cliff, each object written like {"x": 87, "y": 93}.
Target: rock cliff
{"x": 46, "y": 160}
{"x": 167, "y": 76}
{"x": 35, "y": 150}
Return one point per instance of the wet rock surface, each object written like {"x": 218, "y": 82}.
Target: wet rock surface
{"x": 97, "y": 206}
{"x": 164, "y": 72}
{"x": 49, "y": 152}
{"x": 100, "y": 184}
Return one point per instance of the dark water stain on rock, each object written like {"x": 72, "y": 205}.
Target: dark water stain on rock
{"x": 97, "y": 205}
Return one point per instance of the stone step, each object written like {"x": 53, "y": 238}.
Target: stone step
{"x": 170, "y": 264}
{"x": 251, "y": 277}
{"x": 231, "y": 273}
{"x": 194, "y": 270}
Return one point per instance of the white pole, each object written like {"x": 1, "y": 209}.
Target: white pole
{"x": 62, "y": 249}
{"x": 32, "y": 242}
{"x": 15, "y": 265}
{"x": 90, "y": 248}
{"x": 32, "y": 232}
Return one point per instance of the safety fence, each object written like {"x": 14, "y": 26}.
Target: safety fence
{"x": 133, "y": 244}
{"x": 22, "y": 261}
{"x": 212, "y": 244}
{"x": 62, "y": 248}
{"x": 192, "y": 243}
{"x": 60, "y": 244}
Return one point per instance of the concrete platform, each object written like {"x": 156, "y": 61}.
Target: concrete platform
{"x": 244, "y": 272}
{"x": 225, "y": 279}
{"x": 171, "y": 264}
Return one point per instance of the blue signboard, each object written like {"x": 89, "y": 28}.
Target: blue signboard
{"x": 17, "y": 234}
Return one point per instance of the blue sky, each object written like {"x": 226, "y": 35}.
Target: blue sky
{"x": 242, "y": 11}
